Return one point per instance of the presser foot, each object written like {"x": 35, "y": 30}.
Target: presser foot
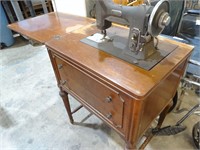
{"x": 105, "y": 38}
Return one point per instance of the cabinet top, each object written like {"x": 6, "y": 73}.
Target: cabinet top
{"x": 128, "y": 77}
{"x": 45, "y": 27}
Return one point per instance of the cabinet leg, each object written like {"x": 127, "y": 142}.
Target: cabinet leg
{"x": 130, "y": 147}
{"x": 65, "y": 99}
{"x": 160, "y": 121}
{"x": 163, "y": 116}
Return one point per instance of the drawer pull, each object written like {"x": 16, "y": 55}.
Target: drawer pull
{"x": 63, "y": 82}
{"x": 108, "y": 99}
{"x": 60, "y": 66}
{"x": 109, "y": 116}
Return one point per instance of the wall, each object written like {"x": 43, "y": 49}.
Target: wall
{"x": 75, "y": 7}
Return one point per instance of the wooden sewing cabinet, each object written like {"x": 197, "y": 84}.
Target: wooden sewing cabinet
{"x": 124, "y": 96}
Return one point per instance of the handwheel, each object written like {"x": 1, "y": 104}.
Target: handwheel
{"x": 174, "y": 101}
{"x": 195, "y": 134}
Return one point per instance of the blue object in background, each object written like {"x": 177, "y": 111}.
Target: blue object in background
{"x": 6, "y": 36}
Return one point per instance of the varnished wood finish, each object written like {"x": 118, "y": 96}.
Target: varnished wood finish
{"x": 45, "y": 27}
{"x": 64, "y": 96}
{"x": 121, "y": 74}
{"x": 92, "y": 75}
{"x": 107, "y": 100}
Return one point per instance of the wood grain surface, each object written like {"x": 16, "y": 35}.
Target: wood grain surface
{"x": 134, "y": 80}
{"x": 45, "y": 27}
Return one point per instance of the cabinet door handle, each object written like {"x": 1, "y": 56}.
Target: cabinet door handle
{"x": 108, "y": 99}
{"x": 109, "y": 116}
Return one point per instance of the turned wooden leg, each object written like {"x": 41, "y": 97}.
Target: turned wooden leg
{"x": 65, "y": 99}
{"x": 130, "y": 147}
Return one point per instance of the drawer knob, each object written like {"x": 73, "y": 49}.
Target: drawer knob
{"x": 60, "y": 66}
{"x": 108, "y": 99}
{"x": 109, "y": 116}
{"x": 63, "y": 82}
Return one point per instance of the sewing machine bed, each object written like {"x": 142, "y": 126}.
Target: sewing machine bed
{"x": 117, "y": 46}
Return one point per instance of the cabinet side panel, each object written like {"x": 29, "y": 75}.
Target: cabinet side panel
{"x": 160, "y": 97}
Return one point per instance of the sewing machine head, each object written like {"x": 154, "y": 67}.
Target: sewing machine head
{"x": 146, "y": 18}
{"x": 146, "y": 22}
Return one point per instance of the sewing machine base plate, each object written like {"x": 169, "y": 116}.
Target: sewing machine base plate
{"x": 116, "y": 45}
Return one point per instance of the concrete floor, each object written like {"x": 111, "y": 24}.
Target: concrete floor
{"x": 32, "y": 115}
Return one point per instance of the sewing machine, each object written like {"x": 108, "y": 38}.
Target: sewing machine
{"x": 140, "y": 45}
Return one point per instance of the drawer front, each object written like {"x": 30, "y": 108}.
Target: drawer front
{"x": 105, "y": 100}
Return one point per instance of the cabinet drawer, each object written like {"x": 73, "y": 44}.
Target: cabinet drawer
{"x": 104, "y": 99}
